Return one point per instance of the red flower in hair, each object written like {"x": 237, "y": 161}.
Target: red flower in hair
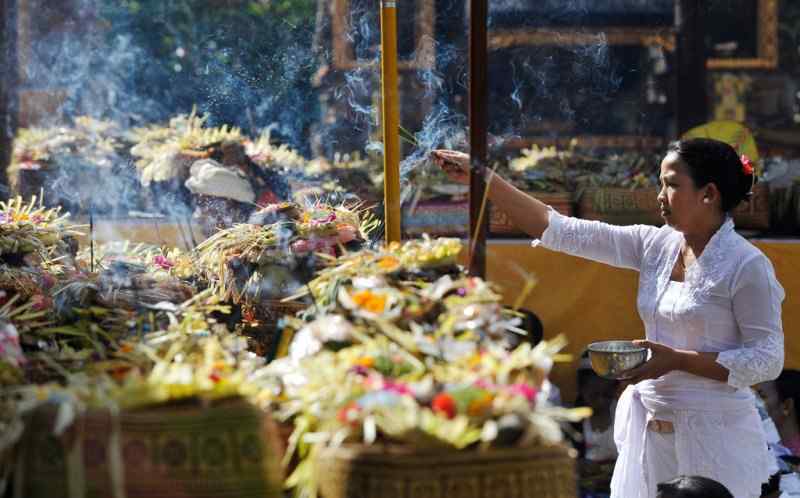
{"x": 747, "y": 165}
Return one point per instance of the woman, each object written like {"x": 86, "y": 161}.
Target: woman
{"x": 711, "y": 307}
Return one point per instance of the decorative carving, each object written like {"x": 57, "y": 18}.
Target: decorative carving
{"x": 767, "y": 42}
{"x": 662, "y": 37}
{"x": 343, "y": 54}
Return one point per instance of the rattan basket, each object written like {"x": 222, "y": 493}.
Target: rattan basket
{"x": 620, "y": 206}
{"x": 228, "y": 449}
{"x": 406, "y": 472}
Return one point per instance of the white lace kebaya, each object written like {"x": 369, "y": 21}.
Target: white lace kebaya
{"x": 730, "y": 303}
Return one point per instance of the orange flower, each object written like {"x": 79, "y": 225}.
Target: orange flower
{"x": 366, "y": 361}
{"x": 479, "y": 406}
{"x": 388, "y": 263}
{"x": 368, "y": 300}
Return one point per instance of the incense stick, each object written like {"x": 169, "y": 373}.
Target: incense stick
{"x": 91, "y": 240}
{"x": 484, "y": 201}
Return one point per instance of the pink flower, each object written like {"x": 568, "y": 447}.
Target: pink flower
{"x": 359, "y": 370}
{"x": 524, "y": 390}
{"x": 326, "y": 245}
{"x": 321, "y": 221}
{"x": 397, "y": 387}
{"x": 485, "y": 384}
{"x": 162, "y": 262}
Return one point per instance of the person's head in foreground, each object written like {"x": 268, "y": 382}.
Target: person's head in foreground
{"x": 701, "y": 180}
{"x": 692, "y": 487}
{"x": 782, "y": 401}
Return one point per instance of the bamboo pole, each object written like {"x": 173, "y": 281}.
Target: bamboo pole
{"x": 390, "y": 117}
{"x": 478, "y": 123}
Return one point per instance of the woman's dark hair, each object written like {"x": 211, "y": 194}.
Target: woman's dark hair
{"x": 712, "y": 161}
{"x": 788, "y": 387}
{"x": 692, "y": 487}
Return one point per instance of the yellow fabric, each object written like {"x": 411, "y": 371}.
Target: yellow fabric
{"x": 590, "y": 301}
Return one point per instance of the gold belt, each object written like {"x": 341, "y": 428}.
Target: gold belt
{"x": 661, "y": 426}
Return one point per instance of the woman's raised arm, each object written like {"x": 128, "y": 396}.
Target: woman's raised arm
{"x": 525, "y": 211}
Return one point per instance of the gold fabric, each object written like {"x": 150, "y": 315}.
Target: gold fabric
{"x": 590, "y": 301}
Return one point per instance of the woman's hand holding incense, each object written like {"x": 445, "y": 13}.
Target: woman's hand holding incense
{"x": 455, "y": 164}
{"x": 525, "y": 211}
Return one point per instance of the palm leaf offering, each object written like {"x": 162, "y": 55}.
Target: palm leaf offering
{"x": 166, "y": 152}
{"x": 191, "y": 356}
{"x": 29, "y": 229}
{"x": 88, "y": 140}
{"x": 548, "y": 169}
{"x": 419, "y": 354}
{"x": 275, "y": 255}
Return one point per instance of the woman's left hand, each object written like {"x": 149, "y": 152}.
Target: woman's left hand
{"x": 663, "y": 360}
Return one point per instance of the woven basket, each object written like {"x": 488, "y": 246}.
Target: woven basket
{"x": 449, "y": 218}
{"x": 229, "y": 449}
{"x": 620, "y": 206}
{"x": 405, "y": 472}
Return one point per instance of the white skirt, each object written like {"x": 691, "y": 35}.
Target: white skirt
{"x": 718, "y": 435}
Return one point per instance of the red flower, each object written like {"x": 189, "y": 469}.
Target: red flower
{"x": 349, "y": 413}
{"x": 747, "y": 165}
{"x": 445, "y": 404}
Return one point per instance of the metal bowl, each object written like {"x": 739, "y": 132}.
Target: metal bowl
{"x": 612, "y": 359}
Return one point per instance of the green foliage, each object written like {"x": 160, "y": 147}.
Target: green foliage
{"x": 246, "y": 63}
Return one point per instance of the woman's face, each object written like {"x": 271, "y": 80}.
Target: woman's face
{"x": 679, "y": 200}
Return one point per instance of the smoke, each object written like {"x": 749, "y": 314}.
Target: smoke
{"x": 144, "y": 62}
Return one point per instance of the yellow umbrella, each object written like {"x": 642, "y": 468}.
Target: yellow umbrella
{"x": 733, "y": 133}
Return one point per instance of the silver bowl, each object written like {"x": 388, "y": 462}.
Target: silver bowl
{"x": 612, "y": 359}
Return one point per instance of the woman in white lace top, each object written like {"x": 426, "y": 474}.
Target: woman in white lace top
{"x": 711, "y": 308}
